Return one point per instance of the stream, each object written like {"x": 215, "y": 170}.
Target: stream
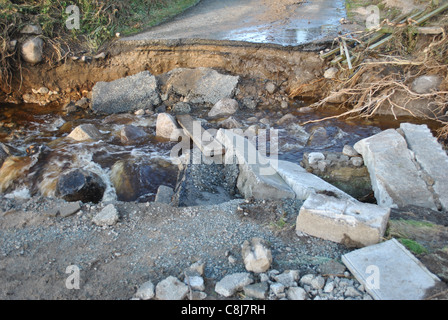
{"x": 133, "y": 171}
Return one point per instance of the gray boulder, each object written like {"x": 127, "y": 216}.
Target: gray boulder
{"x": 201, "y": 85}
{"x": 128, "y": 94}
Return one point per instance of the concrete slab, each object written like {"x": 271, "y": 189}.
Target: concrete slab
{"x": 396, "y": 180}
{"x": 258, "y": 177}
{"x": 430, "y": 156}
{"x": 304, "y": 183}
{"x": 345, "y": 221}
{"x": 390, "y": 272}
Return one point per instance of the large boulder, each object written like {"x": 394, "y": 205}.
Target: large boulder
{"x": 80, "y": 185}
{"x": 201, "y": 85}
{"x": 128, "y": 94}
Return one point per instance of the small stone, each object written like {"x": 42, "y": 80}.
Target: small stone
{"x": 85, "y": 132}
{"x": 286, "y": 119}
{"x": 181, "y": 108}
{"x": 224, "y": 107}
{"x": 357, "y": 161}
{"x": 43, "y": 90}
{"x": 271, "y": 87}
{"x": 329, "y": 287}
{"x": 139, "y": 112}
{"x": 100, "y": 56}
{"x": 277, "y": 288}
{"x": 350, "y": 151}
{"x": 106, "y": 217}
{"x": 330, "y": 73}
{"x": 196, "y": 282}
{"x": 164, "y": 194}
{"x": 257, "y": 257}
{"x": 284, "y": 104}
{"x": 288, "y": 278}
{"x": 315, "y": 157}
{"x": 31, "y": 29}
{"x": 171, "y": 289}
{"x": 351, "y": 292}
{"x": 145, "y": 291}
{"x": 318, "y": 283}
{"x": 307, "y": 279}
{"x": 166, "y": 126}
{"x": 198, "y": 267}
{"x": 32, "y": 50}
{"x": 257, "y": 290}
{"x": 232, "y": 283}
{"x": 296, "y": 293}
{"x": 69, "y": 209}
{"x": 82, "y": 103}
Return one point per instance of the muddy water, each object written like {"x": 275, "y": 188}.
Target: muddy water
{"x": 148, "y": 162}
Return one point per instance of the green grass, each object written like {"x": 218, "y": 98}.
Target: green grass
{"x": 413, "y": 246}
{"x": 100, "y": 20}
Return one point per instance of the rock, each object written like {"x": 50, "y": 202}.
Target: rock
{"x": 257, "y": 177}
{"x": 201, "y": 85}
{"x": 351, "y": 292}
{"x": 32, "y": 50}
{"x": 277, "y": 288}
{"x": 224, "y": 107}
{"x": 319, "y": 137}
{"x": 171, "y": 289}
{"x": 287, "y": 118}
{"x": 166, "y": 127}
{"x": 306, "y": 279}
{"x": 31, "y": 29}
{"x": 80, "y": 185}
{"x": 43, "y": 90}
{"x": 288, "y": 278}
{"x": 145, "y": 291}
{"x": 82, "y": 103}
{"x": 331, "y": 73}
{"x": 296, "y": 293}
{"x": 100, "y": 56}
{"x": 181, "y": 108}
{"x": 196, "y": 282}
{"x": 139, "y": 112}
{"x": 232, "y": 283}
{"x": 197, "y": 267}
{"x": 131, "y": 134}
{"x": 139, "y": 91}
{"x": 257, "y": 257}
{"x": 85, "y": 132}
{"x": 249, "y": 103}
{"x": 426, "y": 84}
{"x": 357, "y": 162}
{"x": 284, "y": 104}
{"x": 395, "y": 179}
{"x": 331, "y": 267}
{"x": 389, "y": 271}
{"x": 317, "y": 283}
{"x": 329, "y": 287}
{"x": 257, "y": 290}
{"x": 69, "y": 208}
{"x": 346, "y": 221}
{"x": 350, "y": 151}
{"x": 271, "y": 87}
{"x": 108, "y": 216}
{"x": 229, "y": 123}
{"x": 164, "y": 195}
{"x": 315, "y": 157}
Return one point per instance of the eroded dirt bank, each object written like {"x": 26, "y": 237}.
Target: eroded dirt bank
{"x": 284, "y": 65}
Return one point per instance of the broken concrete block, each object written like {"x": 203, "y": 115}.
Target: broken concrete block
{"x": 304, "y": 183}
{"x": 345, "y": 221}
{"x": 396, "y": 180}
{"x": 389, "y": 271}
{"x": 430, "y": 156}
{"x": 258, "y": 177}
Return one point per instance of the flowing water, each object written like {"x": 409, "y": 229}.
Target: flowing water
{"x": 134, "y": 171}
